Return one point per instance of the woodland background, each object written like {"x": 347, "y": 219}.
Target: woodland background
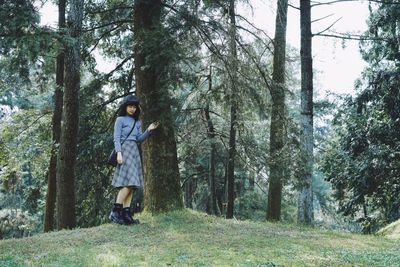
{"x": 240, "y": 135}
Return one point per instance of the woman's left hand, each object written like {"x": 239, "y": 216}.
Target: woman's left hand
{"x": 153, "y": 126}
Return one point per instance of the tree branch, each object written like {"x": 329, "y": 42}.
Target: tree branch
{"x": 102, "y": 36}
{"x": 109, "y": 10}
{"x": 342, "y": 1}
{"x": 119, "y": 22}
{"x": 328, "y": 27}
{"x": 322, "y": 18}
{"x": 295, "y": 7}
{"x": 45, "y": 113}
{"x": 353, "y": 37}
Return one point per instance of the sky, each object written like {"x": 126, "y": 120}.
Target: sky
{"x": 336, "y": 66}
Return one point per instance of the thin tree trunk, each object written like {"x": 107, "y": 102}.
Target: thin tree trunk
{"x": 233, "y": 104}
{"x": 211, "y": 136}
{"x": 66, "y": 217}
{"x": 211, "y": 173}
{"x": 189, "y": 194}
{"x": 277, "y": 160}
{"x": 305, "y": 204}
{"x": 162, "y": 181}
{"x": 252, "y": 177}
{"x": 51, "y": 196}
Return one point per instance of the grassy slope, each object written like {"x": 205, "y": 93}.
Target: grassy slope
{"x": 391, "y": 231}
{"x": 187, "y": 238}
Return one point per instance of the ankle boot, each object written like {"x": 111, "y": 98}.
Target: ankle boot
{"x": 115, "y": 214}
{"x": 127, "y": 216}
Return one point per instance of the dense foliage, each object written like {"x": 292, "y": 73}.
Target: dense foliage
{"x": 362, "y": 158}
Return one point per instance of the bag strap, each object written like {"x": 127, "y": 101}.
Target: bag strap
{"x": 129, "y": 133}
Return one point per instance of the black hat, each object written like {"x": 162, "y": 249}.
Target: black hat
{"x": 130, "y": 100}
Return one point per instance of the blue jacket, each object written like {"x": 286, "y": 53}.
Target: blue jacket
{"x": 123, "y": 126}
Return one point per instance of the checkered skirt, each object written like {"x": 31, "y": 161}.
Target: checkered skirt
{"x": 130, "y": 172}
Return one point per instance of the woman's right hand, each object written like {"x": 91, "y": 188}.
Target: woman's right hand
{"x": 119, "y": 158}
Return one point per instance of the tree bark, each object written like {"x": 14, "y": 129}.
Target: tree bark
{"x": 189, "y": 190}
{"x": 277, "y": 157}
{"x": 162, "y": 181}
{"x": 233, "y": 104}
{"x": 305, "y": 201}
{"x": 211, "y": 173}
{"x": 49, "y": 222}
{"x": 66, "y": 217}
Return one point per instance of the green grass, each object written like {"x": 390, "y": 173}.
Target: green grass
{"x": 391, "y": 231}
{"x": 188, "y": 238}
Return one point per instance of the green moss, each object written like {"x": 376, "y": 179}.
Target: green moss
{"x": 187, "y": 238}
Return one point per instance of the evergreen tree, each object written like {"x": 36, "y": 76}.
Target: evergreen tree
{"x": 363, "y": 155}
{"x": 162, "y": 182}
{"x": 305, "y": 201}
{"x": 66, "y": 216}
{"x": 278, "y": 130}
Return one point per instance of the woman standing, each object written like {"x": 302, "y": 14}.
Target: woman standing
{"x": 128, "y": 174}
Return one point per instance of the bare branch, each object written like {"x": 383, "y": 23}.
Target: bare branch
{"x": 353, "y": 37}
{"x": 322, "y": 18}
{"x": 45, "y": 113}
{"x": 262, "y": 72}
{"x": 120, "y": 65}
{"x": 333, "y": 2}
{"x": 118, "y": 22}
{"x": 109, "y": 10}
{"x": 102, "y": 36}
{"x": 258, "y": 29}
{"x": 343, "y": 1}
{"x": 295, "y": 7}
{"x": 327, "y": 29}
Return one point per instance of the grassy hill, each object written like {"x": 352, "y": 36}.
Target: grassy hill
{"x": 391, "y": 231}
{"x": 188, "y": 238}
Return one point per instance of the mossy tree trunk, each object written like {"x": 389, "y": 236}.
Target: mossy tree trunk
{"x": 305, "y": 201}
{"x": 277, "y": 160}
{"x": 66, "y": 217}
{"x": 162, "y": 180}
{"x": 233, "y": 108}
{"x": 211, "y": 172}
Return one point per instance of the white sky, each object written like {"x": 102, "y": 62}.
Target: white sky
{"x": 337, "y": 67}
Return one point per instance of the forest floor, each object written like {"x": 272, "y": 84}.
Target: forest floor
{"x": 188, "y": 238}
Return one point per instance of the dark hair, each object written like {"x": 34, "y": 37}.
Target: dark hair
{"x": 130, "y": 100}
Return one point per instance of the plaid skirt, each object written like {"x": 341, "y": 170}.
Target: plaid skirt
{"x": 130, "y": 172}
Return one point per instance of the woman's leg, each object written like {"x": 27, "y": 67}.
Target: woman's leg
{"x": 123, "y": 194}
{"x": 128, "y": 198}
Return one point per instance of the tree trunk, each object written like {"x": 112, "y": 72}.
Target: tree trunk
{"x": 162, "y": 181}
{"x": 211, "y": 173}
{"x": 305, "y": 205}
{"x": 189, "y": 190}
{"x": 66, "y": 217}
{"x": 56, "y": 130}
{"x": 233, "y": 104}
{"x": 277, "y": 157}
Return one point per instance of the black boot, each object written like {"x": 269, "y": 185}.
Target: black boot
{"x": 115, "y": 214}
{"x": 127, "y": 216}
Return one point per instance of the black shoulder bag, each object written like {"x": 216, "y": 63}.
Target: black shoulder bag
{"x": 112, "y": 158}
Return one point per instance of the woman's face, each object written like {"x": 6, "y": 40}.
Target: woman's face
{"x": 130, "y": 110}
